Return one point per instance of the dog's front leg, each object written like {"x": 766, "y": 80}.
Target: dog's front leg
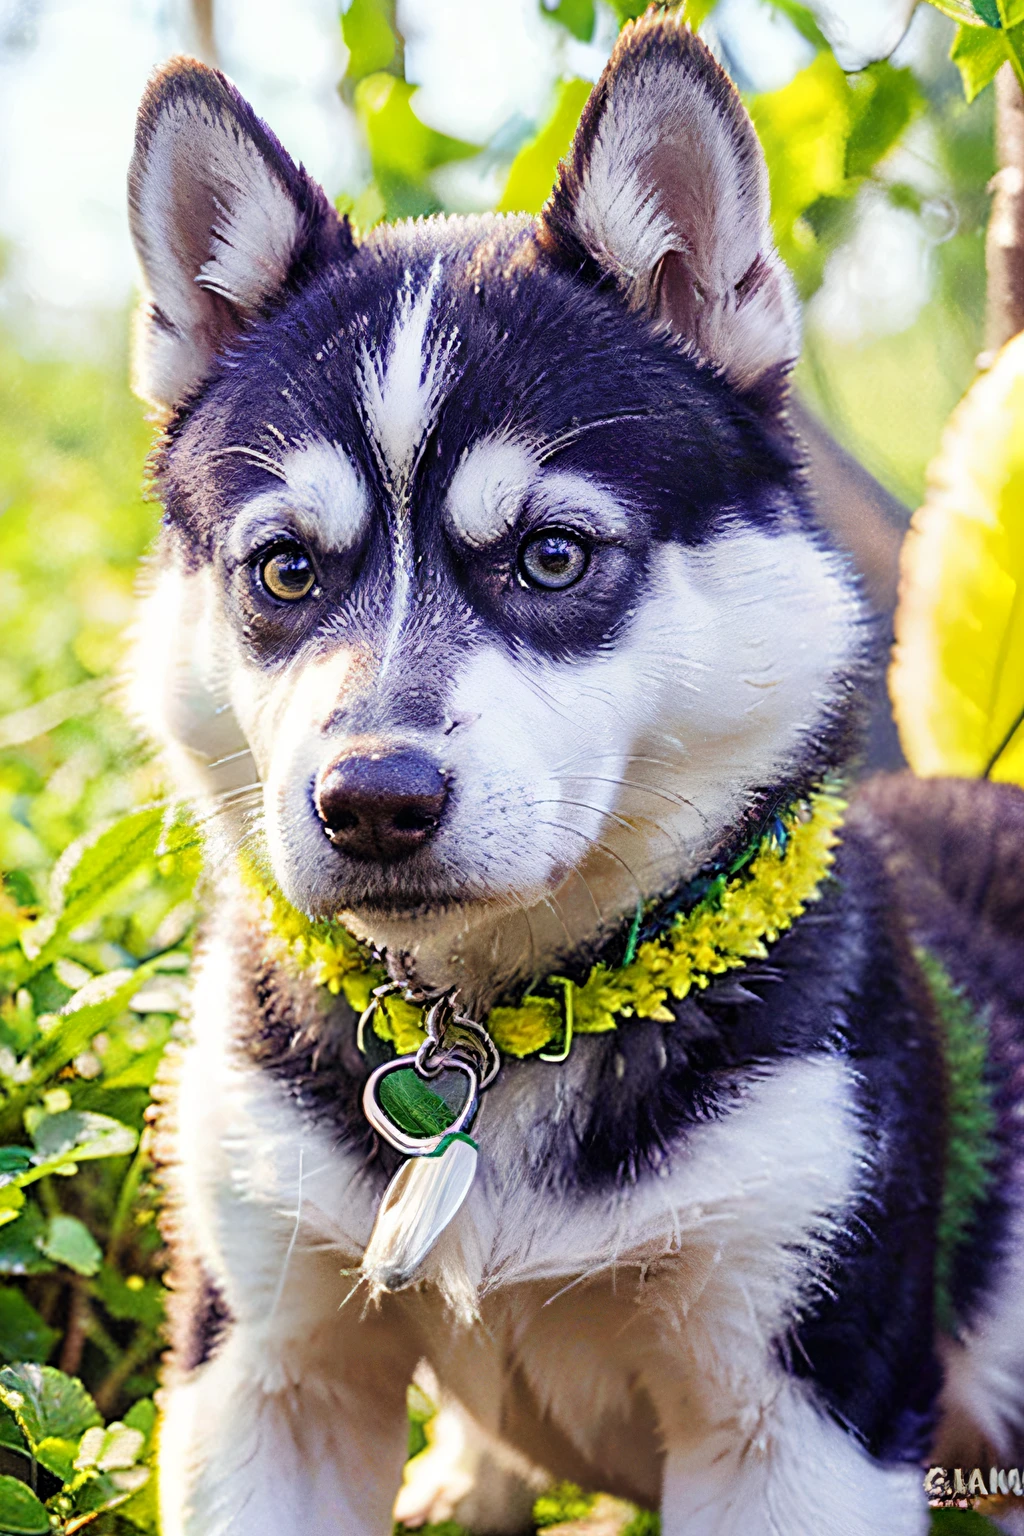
{"x": 287, "y": 1437}
{"x": 793, "y": 1472}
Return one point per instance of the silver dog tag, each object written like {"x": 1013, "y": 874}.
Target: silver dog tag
{"x": 401, "y": 1103}
{"x": 423, "y": 1197}
{"x": 409, "y": 1103}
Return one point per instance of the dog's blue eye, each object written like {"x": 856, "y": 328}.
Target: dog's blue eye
{"x": 552, "y": 559}
{"x": 287, "y": 572}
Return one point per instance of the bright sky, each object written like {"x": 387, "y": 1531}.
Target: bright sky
{"x": 72, "y": 71}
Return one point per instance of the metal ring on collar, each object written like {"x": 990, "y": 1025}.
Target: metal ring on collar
{"x": 402, "y": 1141}
{"x": 491, "y": 1062}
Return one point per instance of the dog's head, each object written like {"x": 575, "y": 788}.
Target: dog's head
{"x": 485, "y": 537}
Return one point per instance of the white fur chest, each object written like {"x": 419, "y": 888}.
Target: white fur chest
{"x": 759, "y": 1192}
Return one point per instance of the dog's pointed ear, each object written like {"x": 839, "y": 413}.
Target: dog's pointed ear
{"x": 665, "y": 190}
{"x": 223, "y": 220}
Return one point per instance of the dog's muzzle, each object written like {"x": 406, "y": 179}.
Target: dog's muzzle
{"x": 381, "y": 806}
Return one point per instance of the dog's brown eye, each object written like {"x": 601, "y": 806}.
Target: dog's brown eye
{"x": 552, "y": 559}
{"x": 287, "y": 573}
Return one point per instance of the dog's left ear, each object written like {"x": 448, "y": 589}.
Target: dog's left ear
{"x": 665, "y": 191}
{"x": 223, "y": 221}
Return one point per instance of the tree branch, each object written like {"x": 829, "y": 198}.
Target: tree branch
{"x": 1004, "y": 246}
{"x": 204, "y": 31}
{"x": 858, "y": 512}
{"x": 869, "y": 524}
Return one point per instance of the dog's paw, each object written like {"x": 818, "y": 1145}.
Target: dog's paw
{"x": 440, "y": 1477}
{"x": 462, "y": 1476}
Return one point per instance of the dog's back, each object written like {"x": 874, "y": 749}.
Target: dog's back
{"x": 954, "y": 852}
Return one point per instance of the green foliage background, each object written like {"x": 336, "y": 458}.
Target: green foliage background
{"x": 94, "y": 942}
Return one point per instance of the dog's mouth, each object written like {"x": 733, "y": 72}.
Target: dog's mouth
{"x": 374, "y": 893}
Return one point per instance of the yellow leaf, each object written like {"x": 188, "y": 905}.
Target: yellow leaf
{"x": 804, "y": 128}
{"x": 532, "y": 173}
{"x": 957, "y": 679}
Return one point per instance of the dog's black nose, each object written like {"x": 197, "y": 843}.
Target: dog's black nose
{"x": 381, "y": 806}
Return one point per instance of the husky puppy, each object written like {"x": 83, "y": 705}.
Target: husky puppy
{"x": 490, "y": 610}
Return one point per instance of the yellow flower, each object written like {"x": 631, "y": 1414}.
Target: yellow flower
{"x": 745, "y": 914}
{"x": 530, "y": 1027}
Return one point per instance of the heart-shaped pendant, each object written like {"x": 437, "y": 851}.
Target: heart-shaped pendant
{"x": 402, "y": 1104}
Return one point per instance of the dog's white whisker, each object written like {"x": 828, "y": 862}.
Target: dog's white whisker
{"x": 650, "y": 789}
{"x": 603, "y": 847}
{"x": 293, "y": 1239}
{"x": 232, "y": 757}
{"x": 256, "y": 458}
{"x": 582, "y": 805}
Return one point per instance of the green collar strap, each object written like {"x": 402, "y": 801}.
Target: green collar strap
{"x": 972, "y": 1146}
{"x": 738, "y": 917}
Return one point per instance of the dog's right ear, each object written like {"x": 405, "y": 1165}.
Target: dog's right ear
{"x": 223, "y": 221}
{"x": 664, "y": 194}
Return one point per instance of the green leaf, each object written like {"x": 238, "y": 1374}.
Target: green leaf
{"x": 14, "y": 1160}
{"x": 371, "y": 43}
{"x": 1015, "y": 49}
{"x": 141, "y": 1509}
{"x": 79, "y": 1137}
{"x": 139, "y": 1302}
{"x": 69, "y": 1241}
{"x": 803, "y": 20}
{"x": 58, "y": 1456}
{"x": 66, "y": 1139}
{"x": 988, "y": 10}
{"x": 961, "y": 1522}
{"x": 20, "y": 1253}
{"x": 21, "y": 1513}
{"x": 959, "y": 10}
{"x": 142, "y": 1416}
{"x": 10, "y": 1435}
{"x": 643, "y": 1523}
{"x": 403, "y": 149}
{"x": 563, "y": 1502}
{"x": 96, "y": 1007}
{"x": 23, "y": 1333}
{"x": 804, "y": 129}
{"x": 111, "y": 1449}
{"x": 532, "y": 173}
{"x": 978, "y": 53}
{"x": 46, "y": 1403}
{"x": 576, "y": 16}
{"x": 822, "y": 134}
{"x": 110, "y": 1489}
{"x": 11, "y": 1202}
{"x": 94, "y": 868}
{"x": 884, "y": 102}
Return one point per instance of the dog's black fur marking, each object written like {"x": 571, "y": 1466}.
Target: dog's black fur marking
{"x": 511, "y": 303}
{"x": 954, "y": 850}
{"x": 842, "y": 979}
{"x": 306, "y": 1039}
{"x": 201, "y": 1323}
